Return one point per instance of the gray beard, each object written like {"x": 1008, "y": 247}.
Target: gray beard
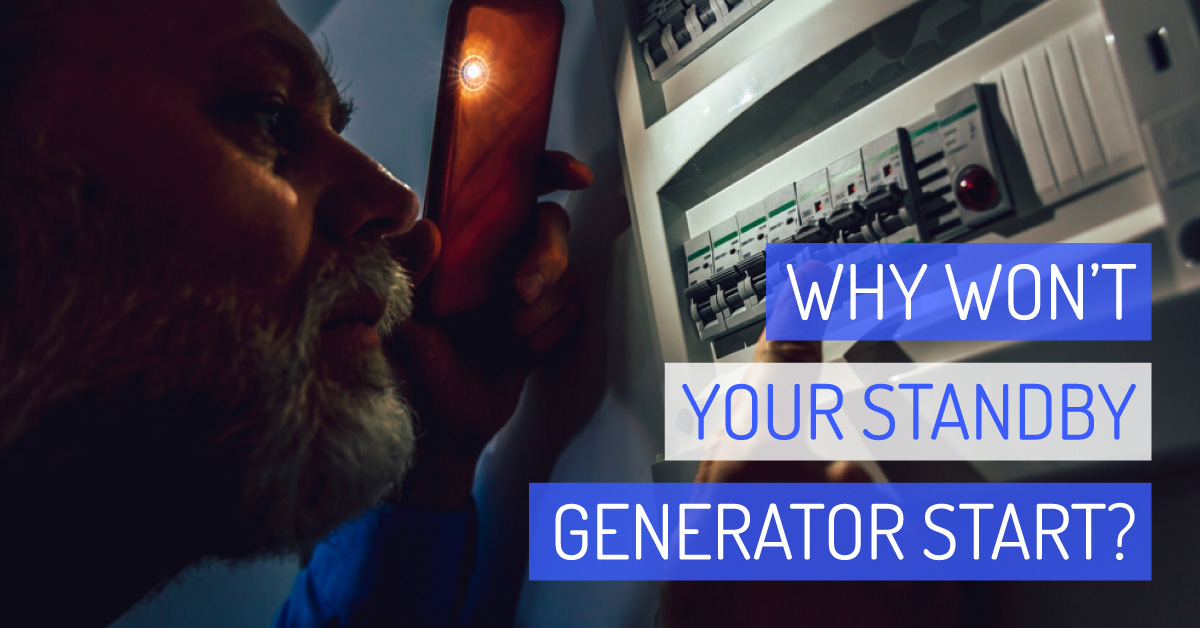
{"x": 313, "y": 443}
{"x": 325, "y": 446}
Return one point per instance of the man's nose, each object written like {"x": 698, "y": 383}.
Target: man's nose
{"x": 364, "y": 201}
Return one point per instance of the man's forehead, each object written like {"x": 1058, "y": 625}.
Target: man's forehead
{"x": 176, "y": 29}
{"x": 305, "y": 66}
{"x": 205, "y": 38}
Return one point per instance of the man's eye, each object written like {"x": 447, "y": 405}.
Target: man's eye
{"x": 274, "y": 122}
{"x": 269, "y": 122}
{"x": 265, "y": 121}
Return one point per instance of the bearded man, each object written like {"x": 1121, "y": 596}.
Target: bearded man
{"x": 208, "y": 345}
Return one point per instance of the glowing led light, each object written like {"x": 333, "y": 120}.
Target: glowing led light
{"x": 474, "y": 73}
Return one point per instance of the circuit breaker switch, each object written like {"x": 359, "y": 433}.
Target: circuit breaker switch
{"x": 891, "y": 223}
{"x": 699, "y": 255}
{"x": 754, "y": 283}
{"x": 884, "y": 199}
{"x": 733, "y": 298}
{"x": 736, "y": 307}
{"x": 812, "y": 233}
{"x": 759, "y": 283}
{"x": 847, "y": 216}
{"x": 704, "y": 311}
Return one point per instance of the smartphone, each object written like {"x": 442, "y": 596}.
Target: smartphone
{"x": 493, "y": 113}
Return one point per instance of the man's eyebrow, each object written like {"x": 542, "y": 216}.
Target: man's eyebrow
{"x": 311, "y": 72}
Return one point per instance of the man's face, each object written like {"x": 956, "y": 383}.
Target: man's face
{"x": 197, "y": 229}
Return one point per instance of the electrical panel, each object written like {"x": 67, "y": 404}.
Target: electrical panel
{"x": 936, "y": 180}
{"x": 938, "y": 187}
{"x": 999, "y": 121}
{"x": 896, "y": 122}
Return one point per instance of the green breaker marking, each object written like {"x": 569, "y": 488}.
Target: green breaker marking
{"x": 782, "y": 208}
{"x": 754, "y": 224}
{"x": 925, "y": 129}
{"x": 815, "y": 191}
{"x": 884, "y": 155}
{"x": 846, "y": 175}
{"x": 964, "y": 112}
{"x": 725, "y": 239}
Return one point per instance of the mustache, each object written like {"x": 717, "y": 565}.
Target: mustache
{"x": 347, "y": 275}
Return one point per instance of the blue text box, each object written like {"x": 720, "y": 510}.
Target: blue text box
{"x": 1070, "y": 291}
{"x": 564, "y": 545}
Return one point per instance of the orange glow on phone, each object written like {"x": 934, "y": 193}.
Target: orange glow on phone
{"x": 493, "y": 113}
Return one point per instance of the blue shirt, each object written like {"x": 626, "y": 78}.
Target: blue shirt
{"x": 391, "y": 567}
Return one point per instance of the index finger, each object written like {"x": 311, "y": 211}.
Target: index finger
{"x": 795, "y": 350}
{"x": 560, "y": 171}
{"x": 547, "y": 258}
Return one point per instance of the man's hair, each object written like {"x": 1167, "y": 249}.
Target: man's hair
{"x": 34, "y": 187}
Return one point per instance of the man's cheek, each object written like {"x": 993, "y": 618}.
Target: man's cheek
{"x": 267, "y": 215}
{"x": 187, "y": 192}
{"x": 235, "y": 212}
{"x": 257, "y": 226}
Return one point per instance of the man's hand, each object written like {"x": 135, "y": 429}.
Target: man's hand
{"x": 884, "y": 604}
{"x": 767, "y": 351}
{"x": 464, "y": 374}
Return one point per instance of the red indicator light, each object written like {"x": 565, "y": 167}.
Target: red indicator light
{"x": 976, "y": 188}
